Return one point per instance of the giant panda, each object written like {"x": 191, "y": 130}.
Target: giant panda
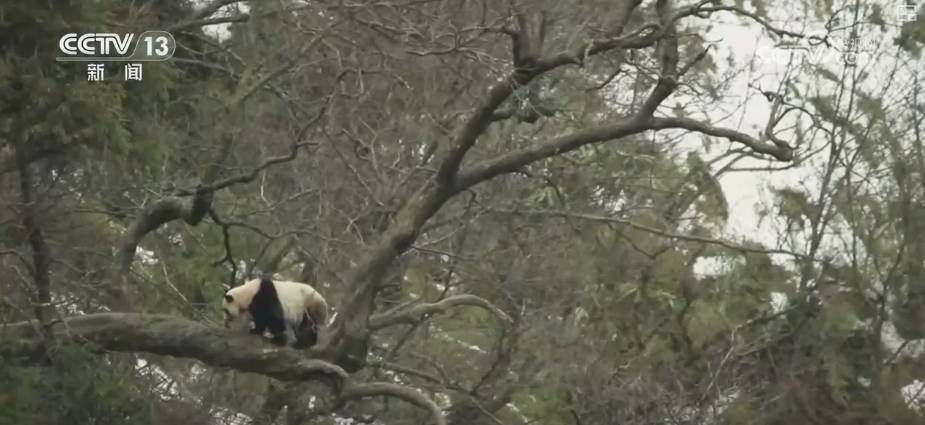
{"x": 282, "y": 307}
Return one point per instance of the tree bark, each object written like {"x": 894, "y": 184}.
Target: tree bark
{"x": 41, "y": 273}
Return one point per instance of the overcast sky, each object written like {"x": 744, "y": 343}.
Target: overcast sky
{"x": 746, "y": 191}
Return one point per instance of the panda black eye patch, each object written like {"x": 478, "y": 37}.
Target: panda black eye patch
{"x": 229, "y": 298}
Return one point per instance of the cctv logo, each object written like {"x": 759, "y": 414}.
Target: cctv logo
{"x": 149, "y": 46}
{"x": 100, "y": 44}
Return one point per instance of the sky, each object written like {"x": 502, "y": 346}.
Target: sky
{"x": 746, "y": 192}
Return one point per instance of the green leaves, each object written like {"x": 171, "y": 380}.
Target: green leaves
{"x": 794, "y": 205}
{"x": 706, "y": 321}
{"x": 77, "y": 386}
{"x": 710, "y": 197}
{"x": 912, "y": 36}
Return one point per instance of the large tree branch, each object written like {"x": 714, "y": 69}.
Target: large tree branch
{"x": 349, "y": 333}
{"x": 779, "y": 150}
{"x": 513, "y": 161}
{"x": 172, "y": 336}
{"x": 177, "y": 337}
{"x": 780, "y": 32}
{"x": 414, "y": 313}
{"x": 209, "y": 9}
{"x": 476, "y": 125}
{"x": 364, "y": 278}
{"x": 664, "y": 34}
{"x": 667, "y": 54}
{"x": 643, "y": 36}
{"x": 527, "y": 47}
{"x": 191, "y": 210}
{"x": 201, "y": 17}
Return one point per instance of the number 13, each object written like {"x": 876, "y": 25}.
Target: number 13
{"x": 163, "y": 46}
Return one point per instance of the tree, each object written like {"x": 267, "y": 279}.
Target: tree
{"x": 486, "y": 191}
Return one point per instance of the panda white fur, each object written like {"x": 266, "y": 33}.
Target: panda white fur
{"x": 282, "y": 307}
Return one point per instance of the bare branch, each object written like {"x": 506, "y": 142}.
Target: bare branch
{"x": 226, "y": 240}
{"x": 781, "y": 151}
{"x": 251, "y": 175}
{"x": 643, "y": 36}
{"x": 485, "y": 114}
{"x": 413, "y": 372}
{"x": 648, "y": 229}
{"x": 408, "y": 394}
{"x": 527, "y": 40}
{"x": 211, "y": 8}
{"x": 761, "y": 21}
{"x": 413, "y": 314}
{"x": 191, "y": 210}
{"x": 201, "y": 17}
{"x": 511, "y": 162}
{"x": 281, "y": 69}
{"x": 41, "y": 256}
{"x": 668, "y": 57}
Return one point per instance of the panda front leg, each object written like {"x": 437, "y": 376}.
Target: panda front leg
{"x": 259, "y": 326}
{"x": 279, "y": 339}
{"x": 305, "y": 334}
{"x": 286, "y": 337}
{"x": 280, "y": 333}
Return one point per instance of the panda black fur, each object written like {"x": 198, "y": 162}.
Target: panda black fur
{"x": 281, "y": 307}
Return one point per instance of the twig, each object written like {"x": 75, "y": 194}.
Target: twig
{"x": 691, "y": 238}
{"x": 413, "y": 314}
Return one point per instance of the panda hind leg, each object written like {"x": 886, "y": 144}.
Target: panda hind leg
{"x": 258, "y": 325}
{"x": 305, "y": 334}
{"x": 284, "y": 337}
{"x": 276, "y": 328}
{"x": 279, "y": 339}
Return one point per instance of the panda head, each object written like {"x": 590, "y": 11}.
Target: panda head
{"x": 237, "y": 300}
